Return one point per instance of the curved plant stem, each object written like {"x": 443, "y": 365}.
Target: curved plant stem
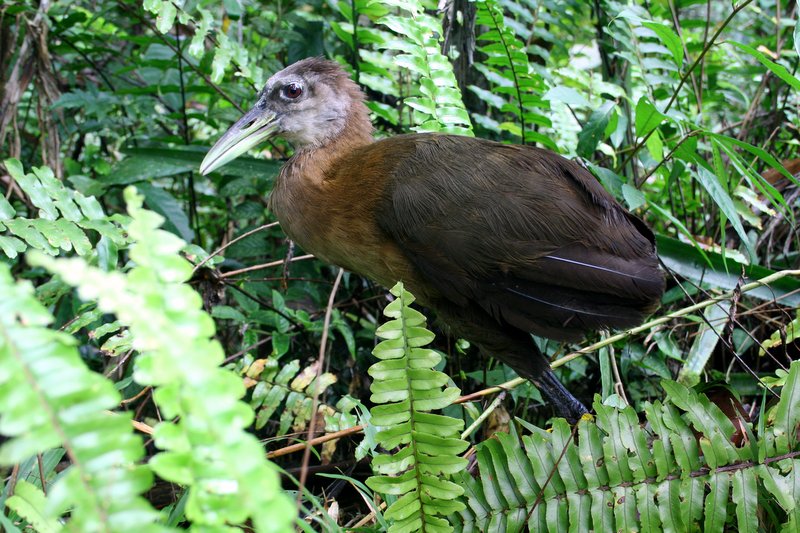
{"x": 687, "y": 74}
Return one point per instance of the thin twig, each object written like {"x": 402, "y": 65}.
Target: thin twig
{"x": 137, "y": 396}
{"x": 483, "y": 416}
{"x": 233, "y": 241}
{"x": 265, "y": 265}
{"x": 516, "y": 382}
{"x": 315, "y": 400}
{"x": 41, "y": 473}
{"x": 144, "y": 428}
{"x": 676, "y": 314}
{"x": 286, "y": 450}
{"x": 552, "y": 472}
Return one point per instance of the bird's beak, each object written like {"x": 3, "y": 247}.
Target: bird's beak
{"x": 256, "y": 126}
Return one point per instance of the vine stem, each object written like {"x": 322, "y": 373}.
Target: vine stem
{"x": 688, "y": 73}
{"x": 511, "y": 384}
{"x": 483, "y": 416}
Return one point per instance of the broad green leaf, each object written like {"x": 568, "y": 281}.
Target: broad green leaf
{"x": 633, "y": 197}
{"x": 670, "y": 39}
{"x": 745, "y": 496}
{"x": 648, "y": 511}
{"x": 720, "y": 196}
{"x": 166, "y": 16}
{"x": 782, "y": 486}
{"x": 716, "y": 504}
{"x": 779, "y": 70}
{"x": 6, "y": 209}
{"x": 594, "y": 130}
{"x": 567, "y": 95}
{"x": 197, "y": 46}
{"x": 625, "y": 510}
{"x": 32, "y": 187}
{"x": 692, "y": 490}
{"x": 29, "y": 502}
{"x": 11, "y": 246}
{"x": 648, "y": 117}
{"x": 145, "y": 164}
{"x": 162, "y": 202}
{"x": 787, "y": 414}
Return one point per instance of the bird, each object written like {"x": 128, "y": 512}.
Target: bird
{"x": 500, "y": 240}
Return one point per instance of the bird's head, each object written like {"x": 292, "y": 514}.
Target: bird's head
{"x": 308, "y": 103}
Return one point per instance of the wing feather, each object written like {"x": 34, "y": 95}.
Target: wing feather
{"x": 529, "y": 236}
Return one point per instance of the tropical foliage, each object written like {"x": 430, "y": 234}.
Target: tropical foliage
{"x": 169, "y": 361}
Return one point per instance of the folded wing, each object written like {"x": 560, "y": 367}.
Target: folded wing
{"x": 529, "y": 236}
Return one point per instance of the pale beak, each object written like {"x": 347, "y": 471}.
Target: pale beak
{"x": 255, "y": 127}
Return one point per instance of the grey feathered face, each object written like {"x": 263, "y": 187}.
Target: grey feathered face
{"x": 301, "y": 103}
{"x": 308, "y": 109}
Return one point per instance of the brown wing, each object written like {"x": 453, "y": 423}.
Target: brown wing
{"x": 529, "y": 236}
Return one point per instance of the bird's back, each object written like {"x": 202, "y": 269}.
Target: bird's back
{"x": 526, "y": 236}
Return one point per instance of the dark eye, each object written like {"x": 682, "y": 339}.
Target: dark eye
{"x": 292, "y": 91}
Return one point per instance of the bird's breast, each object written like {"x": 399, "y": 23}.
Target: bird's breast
{"x": 337, "y": 224}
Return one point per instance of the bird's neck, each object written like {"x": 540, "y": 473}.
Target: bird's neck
{"x": 300, "y": 192}
{"x": 355, "y": 133}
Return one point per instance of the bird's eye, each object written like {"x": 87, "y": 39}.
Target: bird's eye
{"x": 292, "y": 91}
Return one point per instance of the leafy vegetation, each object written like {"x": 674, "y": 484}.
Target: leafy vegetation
{"x": 616, "y": 475}
{"x": 428, "y": 444}
{"x": 150, "y": 339}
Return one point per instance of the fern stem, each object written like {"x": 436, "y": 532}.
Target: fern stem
{"x": 765, "y": 281}
{"x": 497, "y": 27}
{"x": 412, "y": 410}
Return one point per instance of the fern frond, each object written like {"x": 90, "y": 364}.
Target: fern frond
{"x": 508, "y": 70}
{"x": 425, "y": 445}
{"x": 285, "y": 386}
{"x": 681, "y": 472}
{"x": 48, "y": 398}
{"x": 64, "y": 216}
{"x": 438, "y": 105}
{"x": 207, "y": 448}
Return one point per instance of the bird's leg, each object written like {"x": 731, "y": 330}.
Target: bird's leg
{"x": 286, "y": 262}
{"x": 564, "y": 403}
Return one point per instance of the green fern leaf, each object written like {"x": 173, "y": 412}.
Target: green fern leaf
{"x": 438, "y": 106}
{"x": 681, "y": 474}
{"x": 48, "y": 398}
{"x": 64, "y": 215}
{"x": 425, "y": 445}
{"x": 207, "y": 448}
{"x": 508, "y": 69}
